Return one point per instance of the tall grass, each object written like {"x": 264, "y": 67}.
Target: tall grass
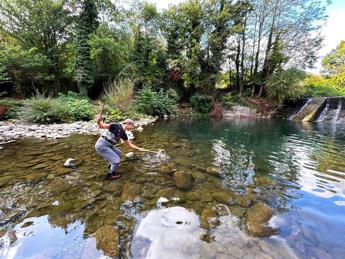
{"x": 119, "y": 94}
{"x": 43, "y": 109}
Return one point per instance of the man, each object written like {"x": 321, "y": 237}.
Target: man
{"x": 105, "y": 144}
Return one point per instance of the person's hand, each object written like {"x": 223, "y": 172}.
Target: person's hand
{"x": 142, "y": 149}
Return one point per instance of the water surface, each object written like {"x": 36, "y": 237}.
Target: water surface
{"x": 297, "y": 169}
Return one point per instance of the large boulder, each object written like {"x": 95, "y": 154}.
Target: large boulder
{"x": 256, "y": 220}
{"x": 183, "y": 181}
{"x": 107, "y": 240}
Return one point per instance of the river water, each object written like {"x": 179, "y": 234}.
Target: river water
{"x": 297, "y": 170}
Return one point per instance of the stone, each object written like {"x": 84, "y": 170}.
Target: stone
{"x": 198, "y": 177}
{"x": 213, "y": 171}
{"x": 107, "y": 239}
{"x": 245, "y": 200}
{"x": 70, "y": 162}
{"x": 112, "y": 187}
{"x": 225, "y": 196}
{"x": 183, "y": 181}
{"x": 130, "y": 191}
{"x": 194, "y": 196}
{"x": 257, "y": 218}
{"x": 208, "y": 218}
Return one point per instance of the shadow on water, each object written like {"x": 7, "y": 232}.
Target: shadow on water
{"x": 296, "y": 169}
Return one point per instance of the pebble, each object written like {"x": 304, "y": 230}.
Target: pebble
{"x": 11, "y": 131}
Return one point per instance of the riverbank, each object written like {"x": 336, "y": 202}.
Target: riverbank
{"x": 15, "y": 129}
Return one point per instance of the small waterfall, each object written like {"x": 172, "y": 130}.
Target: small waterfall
{"x": 319, "y": 109}
{"x": 324, "y": 112}
{"x": 300, "y": 110}
{"x": 337, "y": 113}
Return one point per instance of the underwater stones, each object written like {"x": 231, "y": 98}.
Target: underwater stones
{"x": 112, "y": 187}
{"x": 62, "y": 171}
{"x": 198, "y": 177}
{"x": 34, "y": 177}
{"x": 194, "y": 196}
{"x": 206, "y": 197}
{"x": 5, "y": 180}
{"x": 165, "y": 170}
{"x": 256, "y": 220}
{"x": 263, "y": 180}
{"x": 107, "y": 240}
{"x": 183, "y": 181}
{"x": 208, "y": 218}
{"x": 245, "y": 200}
{"x": 179, "y": 197}
{"x": 130, "y": 191}
{"x": 213, "y": 171}
{"x": 40, "y": 166}
{"x": 50, "y": 177}
{"x": 224, "y": 196}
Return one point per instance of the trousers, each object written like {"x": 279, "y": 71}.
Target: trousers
{"x": 113, "y": 155}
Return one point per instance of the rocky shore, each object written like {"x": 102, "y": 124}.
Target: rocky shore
{"x": 12, "y": 130}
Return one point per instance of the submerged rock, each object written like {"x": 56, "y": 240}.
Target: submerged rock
{"x": 107, "y": 240}
{"x": 256, "y": 220}
{"x": 183, "y": 181}
{"x": 168, "y": 233}
{"x": 130, "y": 191}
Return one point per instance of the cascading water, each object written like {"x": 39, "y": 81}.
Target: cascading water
{"x": 291, "y": 117}
{"x": 320, "y": 109}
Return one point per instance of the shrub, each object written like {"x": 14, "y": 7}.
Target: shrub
{"x": 154, "y": 103}
{"x": 320, "y": 86}
{"x": 78, "y": 107}
{"x": 120, "y": 94}
{"x": 13, "y": 106}
{"x": 228, "y": 100}
{"x": 113, "y": 115}
{"x": 43, "y": 109}
{"x": 202, "y": 103}
{"x": 286, "y": 84}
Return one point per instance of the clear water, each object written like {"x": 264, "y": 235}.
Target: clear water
{"x": 298, "y": 169}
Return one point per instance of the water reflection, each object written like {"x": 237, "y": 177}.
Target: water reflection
{"x": 297, "y": 169}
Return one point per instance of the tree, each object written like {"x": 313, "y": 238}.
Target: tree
{"x": 86, "y": 24}
{"x": 29, "y": 27}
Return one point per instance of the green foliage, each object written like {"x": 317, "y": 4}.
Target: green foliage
{"x": 334, "y": 62}
{"x": 320, "y": 86}
{"x": 202, "y": 103}
{"x": 113, "y": 115}
{"x": 286, "y": 84}
{"x": 228, "y": 100}
{"x": 13, "y": 106}
{"x": 42, "y": 109}
{"x": 150, "y": 102}
{"x": 65, "y": 108}
{"x": 78, "y": 106}
{"x": 119, "y": 94}
{"x": 86, "y": 24}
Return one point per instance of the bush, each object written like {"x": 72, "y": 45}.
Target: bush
{"x": 44, "y": 109}
{"x": 320, "y": 86}
{"x": 78, "y": 107}
{"x": 13, "y": 106}
{"x": 228, "y": 100}
{"x": 285, "y": 85}
{"x": 154, "y": 103}
{"x": 113, "y": 115}
{"x": 120, "y": 94}
{"x": 201, "y": 103}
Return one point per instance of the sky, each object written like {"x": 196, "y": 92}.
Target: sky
{"x": 333, "y": 31}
